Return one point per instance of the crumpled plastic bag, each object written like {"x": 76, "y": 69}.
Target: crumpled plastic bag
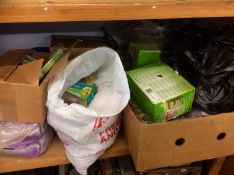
{"x": 87, "y": 132}
{"x": 206, "y": 59}
{"x": 24, "y": 139}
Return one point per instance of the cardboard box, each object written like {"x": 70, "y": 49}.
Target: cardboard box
{"x": 141, "y": 54}
{"x": 178, "y": 142}
{"x": 190, "y": 170}
{"x": 160, "y": 92}
{"x": 22, "y": 96}
{"x": 85, "y": 43}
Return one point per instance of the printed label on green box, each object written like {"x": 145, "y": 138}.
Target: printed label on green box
{"x": 83, "y": 91}
{"x": 160, "y": 92}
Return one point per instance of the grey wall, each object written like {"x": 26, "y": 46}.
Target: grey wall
{"x": 29, "y": 35}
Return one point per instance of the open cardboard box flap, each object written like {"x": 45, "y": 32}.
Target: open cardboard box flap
{"x": 9, "y": 62}
{"x": 29, "y": 73}
{"x": 22, "y": 98}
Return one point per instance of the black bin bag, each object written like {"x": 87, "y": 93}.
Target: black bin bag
{"x": 206, "y": 59}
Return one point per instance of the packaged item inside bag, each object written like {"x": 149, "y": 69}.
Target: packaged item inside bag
{"x": 82, "y": 92}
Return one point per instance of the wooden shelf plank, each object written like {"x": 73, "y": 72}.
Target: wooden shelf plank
{"x": 100, "y": 10}
{"x": 55, "y": 155}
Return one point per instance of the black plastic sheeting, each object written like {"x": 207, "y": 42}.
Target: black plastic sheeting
{"x": 206, "y": 59}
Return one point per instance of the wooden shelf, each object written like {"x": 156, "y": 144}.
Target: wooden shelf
{"x": 55, "y": 155}
{"x": 99, "y": 10}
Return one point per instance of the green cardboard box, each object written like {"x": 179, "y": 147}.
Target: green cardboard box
{"x": 143, "y": 53}
{"x": 83, "y": 92}
{"x": 160, "y": 92}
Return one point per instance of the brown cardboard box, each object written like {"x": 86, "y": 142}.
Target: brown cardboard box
{"x": 22, "y": 97}
{"x": 178, "y": 142}
{"x": 191, "y": 170}
{"x": 84, "y": 44}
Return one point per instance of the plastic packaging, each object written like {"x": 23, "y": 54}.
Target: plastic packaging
{"x": 87, "y": 131}
{"x": 206, "y": 58}
{"x": 52, "y": 60}
{"x": 24, "y": 139}
{"x": 147, "y": 30}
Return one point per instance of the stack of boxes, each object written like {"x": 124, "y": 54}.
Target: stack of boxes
{"x": 156, "y": 88}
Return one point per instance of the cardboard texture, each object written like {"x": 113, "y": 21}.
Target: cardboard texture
{"x": 84, "y": 44}
{"x": 26, "y": 73}
{"x": 191, "y": 170}
{"x": 22, "y": 97}
{"x": 178, "y": 142}
{"x": 9, "y": 65}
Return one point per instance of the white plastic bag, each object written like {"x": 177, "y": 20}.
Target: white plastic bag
{"x": 87, "y": 132}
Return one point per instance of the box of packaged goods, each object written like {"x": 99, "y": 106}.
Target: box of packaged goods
{"x": 24, "y": 78}
{"x": 160, "y": 92}
{"x": 176, "y": 142}
{"x": 82, "y": 92}
{"x": 140, "y": 54}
